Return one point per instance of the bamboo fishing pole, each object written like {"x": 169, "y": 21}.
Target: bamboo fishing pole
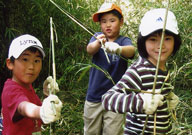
{"x": 53, "y": 53}
{"x": 53, "y": 66}
{"x": 157, "y": 70}
{"x": 82, "y": 26}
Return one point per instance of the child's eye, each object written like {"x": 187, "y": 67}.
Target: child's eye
{"x": 25, "y": 59}
{"x": 103, "y": 21}
{"x": 168, "y": 38}
{"x": 153, "y": 39}
{"x": 37, "y": 61}
{"x": 112, "y": 20}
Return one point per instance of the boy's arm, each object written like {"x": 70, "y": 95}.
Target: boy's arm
{"x": 28, "y": 109}
{"x": 128, "y": 51}
{"x": 93, "y": 47}
{"x": 120, "y": 100}
{"x": 50, "y": 110}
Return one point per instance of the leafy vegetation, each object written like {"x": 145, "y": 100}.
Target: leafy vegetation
{"x": 32, "y": 16}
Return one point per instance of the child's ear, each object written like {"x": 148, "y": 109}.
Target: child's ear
{"x": 9, "y": 64}
{"x": 121, "y": 22}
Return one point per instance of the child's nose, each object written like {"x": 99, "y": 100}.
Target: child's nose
{"x": 31, "y": 65}
{"x": 159, "y": 44}
{"x": 108, "y": 24}
{"x": 163, "y": 45}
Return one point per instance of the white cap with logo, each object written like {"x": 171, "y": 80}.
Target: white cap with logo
{"x": 153, "y": 20}
{"x": 21, "y": 43}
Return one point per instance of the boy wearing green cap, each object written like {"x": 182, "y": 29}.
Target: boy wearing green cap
{"x": 96, "y": 120}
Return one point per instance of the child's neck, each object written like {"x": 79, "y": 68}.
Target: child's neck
{"x": 161, "y": 65}
{"x": 27, "y": 86}
{"x": 112, "y": 39}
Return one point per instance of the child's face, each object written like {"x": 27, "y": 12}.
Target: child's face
{"x": 26, "y": 68}
{"x": 110, "y": 26}
{"x": 153, "y": 47}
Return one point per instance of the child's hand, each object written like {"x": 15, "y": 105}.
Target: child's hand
{"x": 47, "y": 112}
{"x": 173, "y": 100}
{"x": 49, "y": 84}
{"x": 112, "y": 47}
{"x": 151, "y": 102}
{"x": 101, "y": 38}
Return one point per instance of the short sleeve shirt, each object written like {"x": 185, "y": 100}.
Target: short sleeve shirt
{"x": 13, "y": 94}
{"x": 98, "y": 82}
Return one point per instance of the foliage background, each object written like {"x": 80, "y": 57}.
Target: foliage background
{"x": 32, "y": 16}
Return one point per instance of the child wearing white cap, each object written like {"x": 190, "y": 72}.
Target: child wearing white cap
{"x": 96, "y": 120}
{"x": 23, "y": 112}
{"x": 140, "y": 75}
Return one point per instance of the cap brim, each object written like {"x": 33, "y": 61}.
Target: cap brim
{"x": 40, "y": 49}
{"x": 35, "y": 46}
{"x": 147, "y": 32}
{"x": 96, "y": 15}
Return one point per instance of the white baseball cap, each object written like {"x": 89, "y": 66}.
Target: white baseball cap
{"x": 153, "y": 20}
{"x": 21, "y": 43}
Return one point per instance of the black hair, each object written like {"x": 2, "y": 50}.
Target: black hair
{"x": 31, "y": 49}
{"x": 114, "y": 12}
{"x": 34, "y": 50}
{"x": 12, "y": 59}
{"x": 142, "y": 39}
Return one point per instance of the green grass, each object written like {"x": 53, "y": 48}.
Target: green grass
{"x": 33, "y": 17}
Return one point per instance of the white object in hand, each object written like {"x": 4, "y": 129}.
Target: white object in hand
{"x": 173, "y": 100}
{"x": 151, "y": 102}
{"x": 113, "y": 48}
{"x": 49, "y": 84}
{"x": 47, "y": 112}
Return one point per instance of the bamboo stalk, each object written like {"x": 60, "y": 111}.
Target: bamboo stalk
{"x": 140, "y": 91}
{"x": 54, "y": 69}
{"x": 53, "y": 53}
{"x": 53, "y": 63}
{"x": 155, "y": 120}
{"x": 157, "y": 68}
{"x": 146, "y": 120}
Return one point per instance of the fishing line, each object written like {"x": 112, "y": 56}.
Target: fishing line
{"x": 82, "y": 26}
